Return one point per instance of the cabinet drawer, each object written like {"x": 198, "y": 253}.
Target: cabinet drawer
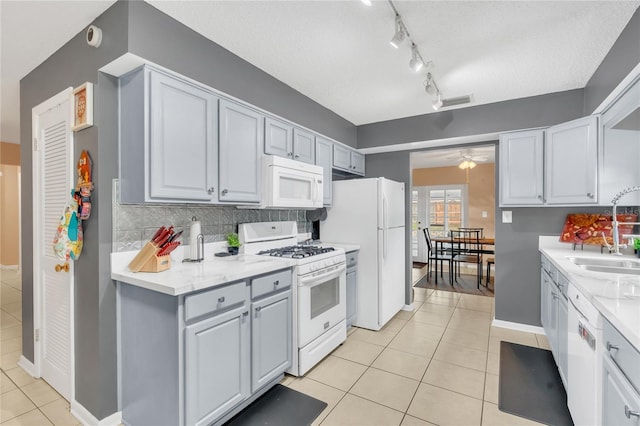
{"x": 213, "y": 300}
{"x": 623, "y": 353}
{"x": 270, "y": 283}
{"x": 352, "y": 259}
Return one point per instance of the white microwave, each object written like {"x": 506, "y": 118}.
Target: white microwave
{"x": 290, "y": 184}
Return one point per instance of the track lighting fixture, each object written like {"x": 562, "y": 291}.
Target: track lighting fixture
{"x": 398, "y": 37}
{"x": 416, "y": 63}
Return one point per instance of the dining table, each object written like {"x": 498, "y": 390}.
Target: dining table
{"x": 440, "y": 241}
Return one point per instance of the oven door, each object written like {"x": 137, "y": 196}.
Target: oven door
{"x": 321, "y": 302}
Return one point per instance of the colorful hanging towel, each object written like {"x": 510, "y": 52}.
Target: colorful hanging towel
{"x": 67, "y": 242}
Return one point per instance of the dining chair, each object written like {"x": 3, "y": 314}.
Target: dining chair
{"x": 481, "y": 230}
{"x": 434, "y": 255}
{"x": 466, "y": 249}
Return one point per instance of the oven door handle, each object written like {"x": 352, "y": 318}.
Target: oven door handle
{"x": 319, "y": 279}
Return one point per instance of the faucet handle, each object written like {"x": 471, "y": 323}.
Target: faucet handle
{"x": 606, "y": 243}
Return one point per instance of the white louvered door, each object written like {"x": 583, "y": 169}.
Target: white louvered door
{"x": 53, "y": 166}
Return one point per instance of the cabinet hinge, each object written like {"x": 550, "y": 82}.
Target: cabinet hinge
{"x": 35, "y": 144}
{"x": 37, "y": 333}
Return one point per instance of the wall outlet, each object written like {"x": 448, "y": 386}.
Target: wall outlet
{"x": 485, "y": 214}
{"x": 507, "y": 216}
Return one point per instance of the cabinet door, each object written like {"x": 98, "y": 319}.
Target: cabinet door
{"x": 270, "y": 338}
{"x": 278, "y": 138}
{"x": 352, "y": 294}
{"x": 241, "y": 131}
{"x": 357, "y": 163}
{"x": 324, "y": 158}
{"x": 217, "y": 375}
{"x": 341, "y": 157}
{"x": 552, "y": 335}
{"x": 563, "y": 353}
{"x": 182, "y": 142}
{"x": 571, "y": 162}
{"x": 544, "y": 300}
{"x": 620, "y": 402}
{"x": 521, "y": 168}
{"x": 304, "y": 146}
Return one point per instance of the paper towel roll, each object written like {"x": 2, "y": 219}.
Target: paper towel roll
{"x": 194, "y": 231}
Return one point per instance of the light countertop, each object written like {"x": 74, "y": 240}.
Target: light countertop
{"x": 184, "y": 278}
{"x": 347, "y": 247}
{"x": 616, "y": 296}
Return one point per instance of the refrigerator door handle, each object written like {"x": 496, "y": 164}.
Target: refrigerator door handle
{"x": 385, "y": 231}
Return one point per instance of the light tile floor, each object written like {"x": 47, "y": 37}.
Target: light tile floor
{"x": 23, "y": 399}
{"x": 436, "y": 365}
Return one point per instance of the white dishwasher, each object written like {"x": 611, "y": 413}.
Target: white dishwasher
{"x": 585, "y": 360}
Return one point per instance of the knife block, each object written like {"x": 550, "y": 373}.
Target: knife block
{"x": 157, "y": 264}
{"x": 147, "y": 261}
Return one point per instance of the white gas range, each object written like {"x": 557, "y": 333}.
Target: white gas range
{"x": 319, "y": 296}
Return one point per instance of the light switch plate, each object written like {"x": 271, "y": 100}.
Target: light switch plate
{"x": 485, "y": 214}
{"x": 507, "y": 216}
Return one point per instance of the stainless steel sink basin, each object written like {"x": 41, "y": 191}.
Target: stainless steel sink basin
{"x": 605, "y": 262}
{"x": 611, "y": 269}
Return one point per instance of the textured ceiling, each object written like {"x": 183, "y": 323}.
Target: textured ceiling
{"x": 338, "y": 54}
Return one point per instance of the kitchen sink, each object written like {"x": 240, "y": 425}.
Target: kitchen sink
{"x": 588, "y": 263}
{"x": 611, "y": 269}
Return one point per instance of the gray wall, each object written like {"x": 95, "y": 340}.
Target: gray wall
{"x": 163, "y": 40}
{"x": 621, "y": 59}
{"x": 535, "y": 111}
{"x": 72, "y": 65}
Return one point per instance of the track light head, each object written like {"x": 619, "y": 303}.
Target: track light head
{"x": 416, "y": 62}
{"x": 430, "y": 85}
{"x": 398, "y": 37}
{"x": 437, "y": 104}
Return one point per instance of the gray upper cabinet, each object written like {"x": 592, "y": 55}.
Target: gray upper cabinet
{"x": 521, "y": 168}
{"x": 278, "y": 138}
{"x": 241, "y": 132}
{"x": 324, "y": 158}
{"x": 620, "y": 148}
{"x": 348, "y": 160}
{"x": 168, "y": 140}
{"x": 571, "y": 162}
{"x": 304, "y": 146}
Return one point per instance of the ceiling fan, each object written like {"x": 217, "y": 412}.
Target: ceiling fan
{"x": 467, "y": 160}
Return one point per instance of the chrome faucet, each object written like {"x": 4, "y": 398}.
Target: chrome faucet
{"x": 616, "y": 238}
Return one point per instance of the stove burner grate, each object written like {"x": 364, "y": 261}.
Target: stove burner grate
{"x": 297, "y": 252}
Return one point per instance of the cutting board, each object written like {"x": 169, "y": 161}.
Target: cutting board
{"x": 583, "y": 228}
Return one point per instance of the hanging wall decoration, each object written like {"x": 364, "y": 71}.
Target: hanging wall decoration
{"x": 82, "y": 107}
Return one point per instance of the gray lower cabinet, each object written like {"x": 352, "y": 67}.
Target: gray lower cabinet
{"x": 161, "y": 158}
{"x": 324, "y": 159}
{"x": 554, "y": 314}
{"x": 270, "y": 338}
{"x": 241, "y": 131}
{"x": 200, "y": 358}
{"x": 352, "y": 287}
{"x": 217, "y": 352}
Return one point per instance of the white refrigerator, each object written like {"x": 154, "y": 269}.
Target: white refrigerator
{"x": 370, "y": 213}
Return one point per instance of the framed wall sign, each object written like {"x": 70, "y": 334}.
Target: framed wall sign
{"x": 83, "y": 107}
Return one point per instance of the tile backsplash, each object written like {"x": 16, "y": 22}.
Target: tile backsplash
{"x": 135, "y": 224}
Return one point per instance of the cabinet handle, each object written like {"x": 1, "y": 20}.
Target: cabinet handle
{"x": 244, "y": 316}
{"x": 539, "y": 197}
{"x": 258, "y": 308}
{"x": 224, "y": 192}
{"x": 296, "y": 156}
{"x": 554, "y": 294}
{"x": 289, "y": 154}
{"x": 221, "y": 299}
{"x": 210, "y": 190}
{"x": 276, "y": 283}
{"x": 589, "y": 194}
{"x": 629, "y": 412}
{"x": 611, "y": 346}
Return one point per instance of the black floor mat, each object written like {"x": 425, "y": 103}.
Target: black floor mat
{"x": 280, "y": 406}
{"x": 530, "y": 385}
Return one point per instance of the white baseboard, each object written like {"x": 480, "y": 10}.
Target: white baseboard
{"x": 517, "y": 326}
{"x": 86, "y": 418}
{"x": 28, "y": 366}
{"x": 408, "y": 308}
{"x": 8, "y": 266}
